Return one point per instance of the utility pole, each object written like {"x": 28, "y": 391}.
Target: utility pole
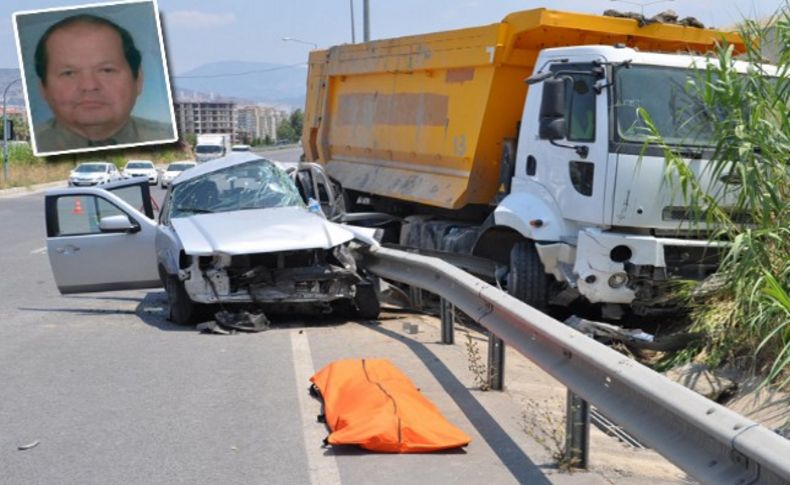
{"x": 5, "y": 132}
{"x": 366, "y": 17}
{"x": 353, "y": 34}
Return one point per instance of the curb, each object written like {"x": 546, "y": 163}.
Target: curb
{"x": 20, "y": 191}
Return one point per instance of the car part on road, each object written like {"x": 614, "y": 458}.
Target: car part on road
{"x": 243, "y": 321}
{"x": 633, "y": 337}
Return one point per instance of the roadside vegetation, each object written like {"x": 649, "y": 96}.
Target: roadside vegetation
{"x": 25, "y": 169}
{"x": 745, "y": 309}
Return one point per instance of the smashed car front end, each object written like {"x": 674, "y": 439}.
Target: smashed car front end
{"x": 306, "y": 276}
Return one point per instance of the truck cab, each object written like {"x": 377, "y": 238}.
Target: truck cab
{"x": 611, "y": 225}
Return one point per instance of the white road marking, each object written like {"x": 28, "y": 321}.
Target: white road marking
{"x": 323, "y": 468}
{"x": 39, "y": 251}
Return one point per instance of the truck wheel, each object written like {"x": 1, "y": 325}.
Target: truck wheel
{"x": 527, "y": 279}
{"x": 182, "y": 308}
{"x": 366, "y": 301}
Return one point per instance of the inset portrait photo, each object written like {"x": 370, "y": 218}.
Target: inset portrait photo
{"x": 95, "y": 77}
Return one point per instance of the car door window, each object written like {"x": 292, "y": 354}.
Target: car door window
{"x": 80, "y": 214}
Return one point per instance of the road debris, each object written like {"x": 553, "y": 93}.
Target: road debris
{"x": 211, "y": 327}
{"x": 634, "y": 337}
{"x": 28, "y": 446}
{"x": 243, "y": 321}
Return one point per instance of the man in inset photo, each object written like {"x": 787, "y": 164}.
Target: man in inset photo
{"x": 90, "y": 74}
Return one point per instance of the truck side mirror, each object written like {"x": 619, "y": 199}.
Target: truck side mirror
{"x": 552, "y": 110}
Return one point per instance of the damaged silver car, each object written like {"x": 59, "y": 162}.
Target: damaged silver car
{"x": 236, "y": 230}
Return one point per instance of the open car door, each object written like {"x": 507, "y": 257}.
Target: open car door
{"x": 102, "y": 239}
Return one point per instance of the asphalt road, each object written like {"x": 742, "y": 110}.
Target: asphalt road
{"x": 115, "y": 394}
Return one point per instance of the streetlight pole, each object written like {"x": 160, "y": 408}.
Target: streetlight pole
{"x": 642, "y": 5}
{"x": 300, "y": 41}
{"x": 366, "y": 18}
{"x": 5, "y": 132}
{"x": 353, "y": 33}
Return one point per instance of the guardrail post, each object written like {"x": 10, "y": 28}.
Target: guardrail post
{"x": 447, "y": 311}
{"x": 415, "y": 296}
{"x": 577, "y": 431}
{"x": 496, "y": 362}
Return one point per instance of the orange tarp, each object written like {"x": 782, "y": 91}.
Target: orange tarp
{"x": 371, "y": 403}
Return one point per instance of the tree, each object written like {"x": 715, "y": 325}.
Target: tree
{"x": 297, "y": 122}
{"x": 190, "y": 139}
{"x": 285, "y": 131}
{"x": 267, "y": 140}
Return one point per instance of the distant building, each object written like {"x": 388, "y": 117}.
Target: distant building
{"x": 257, "y": 122}
{"x": 199, "y": 117}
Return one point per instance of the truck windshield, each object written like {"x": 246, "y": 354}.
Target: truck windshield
{"x": 208, "y": 149}
{"x": 671, "y": 102}
{"x": 258, "y": 184}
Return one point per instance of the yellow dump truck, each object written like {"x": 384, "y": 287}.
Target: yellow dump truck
{"x": 549, "y": 177}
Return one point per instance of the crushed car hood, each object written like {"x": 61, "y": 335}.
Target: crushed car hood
{"x": 259, "y": 231}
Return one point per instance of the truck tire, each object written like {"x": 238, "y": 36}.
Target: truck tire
{"x": 527, "y": 280}
{"x": 183, "y": 310}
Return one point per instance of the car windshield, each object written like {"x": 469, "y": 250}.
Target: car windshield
{"x": 91, "y": 168}
{"x": 179, "y": 167}
{"x": 670, "y": 100}
{"x": 208, "y": 149}
{"x": 140, "y": 165}
{"x": 258, "y": 184}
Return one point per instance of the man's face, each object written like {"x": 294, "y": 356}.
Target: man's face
{"x": 90, "y": 87}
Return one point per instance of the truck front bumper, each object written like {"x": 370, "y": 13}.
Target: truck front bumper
{"x": 609, "y": 267}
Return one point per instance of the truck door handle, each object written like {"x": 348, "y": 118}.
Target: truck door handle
{"x": 68, "y": 248}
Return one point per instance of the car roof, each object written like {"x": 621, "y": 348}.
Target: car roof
{"x": 93, "y": 163}
{"x": 235, "y": 158}
{"x": 139, "y": 161}
{"x": 182, "y": 161}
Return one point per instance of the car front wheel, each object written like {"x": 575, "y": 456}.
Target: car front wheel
{"x": 182, "y": 308}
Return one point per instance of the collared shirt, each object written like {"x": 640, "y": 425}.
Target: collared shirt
{"x": 53, "y": 137}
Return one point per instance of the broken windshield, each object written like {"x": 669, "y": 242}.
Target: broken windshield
{"x": 258, "y": 184}
{"x": 669, "y": 98}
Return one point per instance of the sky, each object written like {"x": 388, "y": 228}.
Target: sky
{"x": 202, "y": 31}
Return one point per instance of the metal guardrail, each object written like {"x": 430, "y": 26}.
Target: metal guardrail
{"x": 708, "y": 441}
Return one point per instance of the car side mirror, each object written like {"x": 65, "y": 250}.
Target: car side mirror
{"x": 552, "y": 110}
{"x": 119, "y": 223}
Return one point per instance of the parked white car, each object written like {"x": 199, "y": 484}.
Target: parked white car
{"x": 93, "y": 173}
{"x": 235, "y": 230}
{"x": 141, "y": 168}
{"x": 174, "y": 170}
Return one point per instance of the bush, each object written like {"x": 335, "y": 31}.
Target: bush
{"x": 748, "y": 314}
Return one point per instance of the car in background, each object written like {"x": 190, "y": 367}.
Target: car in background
{"x": 174, "y": 170}
{"x": 93, "y": 173}
{"x": 141, "y": 168}
{"x": 241, "y": 148}
{"x": 234, "y": 232}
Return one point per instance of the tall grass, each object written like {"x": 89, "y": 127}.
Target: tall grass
{"x": 25, "y": 169}
{"x": 748, "y": 316}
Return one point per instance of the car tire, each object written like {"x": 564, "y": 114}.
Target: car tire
{"x": 527, "y": 279}
{"x": 366, "y": 301}
{"x": 183, "y": 310}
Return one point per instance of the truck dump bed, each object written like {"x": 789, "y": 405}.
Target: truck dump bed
{"x": 422, "y": 118}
